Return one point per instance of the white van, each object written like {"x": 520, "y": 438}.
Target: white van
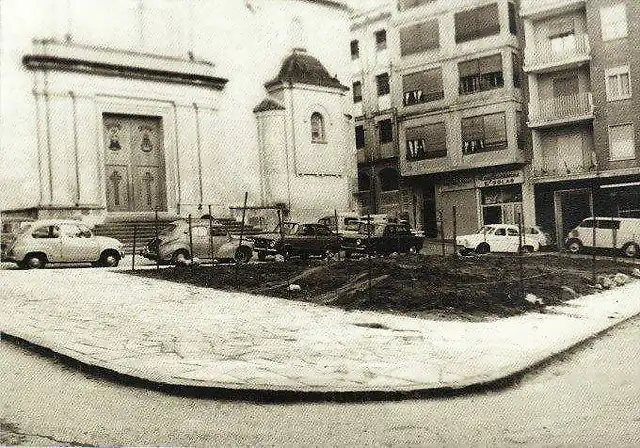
{"x": 619, "y": 233}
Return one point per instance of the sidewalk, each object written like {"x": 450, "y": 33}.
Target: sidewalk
{"x": 180, "y": 334}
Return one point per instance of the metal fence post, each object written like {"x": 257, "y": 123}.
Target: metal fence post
{"x": 190, "y": 240}
{"x": 520, "y": 250}
{"x": 441, "y": 219}
{"x": 614, "y": 229}
{"x": 335, "y": 214}
{"x": 210, "y": 236}
{"x": 455, "y": 230}
{"x": 155, "y": 227}
{"x": 593, "y": 235}
{"x": 133, "y": 255}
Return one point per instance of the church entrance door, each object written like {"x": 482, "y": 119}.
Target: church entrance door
{"x": 134, "y": 163}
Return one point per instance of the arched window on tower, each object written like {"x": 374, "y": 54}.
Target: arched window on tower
{"x": 389, "y": 180}
{"x": 317, "y": 128}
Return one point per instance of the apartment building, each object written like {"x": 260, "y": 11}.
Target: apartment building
{"x": 380, "y": 188}
{"x": 581, "y": 61}
{"x": 459, "y": 83}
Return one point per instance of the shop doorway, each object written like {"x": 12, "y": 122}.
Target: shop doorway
{"x": 429, "y": 218}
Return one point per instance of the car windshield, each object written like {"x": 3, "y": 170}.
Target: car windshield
{"x": 487, "y": 230}
{"x": 351, "y": 223}
{"x": 288, "y": 228}
{"x": 168, "y": 229}
{"x": 370, "y": 229}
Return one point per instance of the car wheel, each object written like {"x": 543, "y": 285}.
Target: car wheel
{"x": 34, "y": 261}
{"x": 483, "y": 248}
{"x": 413, "y": 249}
{"x": 574, "y": 246}
{"x": 180, "y": 257}
{"x": 262, "y": 256}
{"x": 109, "y": 259}
{"x": 527, "y": 249}
{"x": 243, "y": 255}
{"x": 630, "y": 250}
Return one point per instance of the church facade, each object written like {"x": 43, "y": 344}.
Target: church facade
{"x": 115, "y": 109}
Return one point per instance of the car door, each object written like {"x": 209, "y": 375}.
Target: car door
{"x": 512, "y": 240}
{"x": 497, "y": 239}
{"x": 77, "y": 244}
{"x": 200, "y": 238}
{"x": 389, "y": 242}
{"x": 46, "y": 239}
{"x": 324, "y": 239}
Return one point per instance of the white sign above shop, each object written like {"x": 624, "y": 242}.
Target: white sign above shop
{"x": 483, "y": 180}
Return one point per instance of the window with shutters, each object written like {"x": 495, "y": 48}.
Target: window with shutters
{"x": 355, "y": 49}
{"x": 403, "y": 5}
{"x": 357, "y": 91}
{"x": 479, "y": 75}
{"x": 419, "y": 37}
{"x": 484, "y": 133}
{"x": 422, "y": 87}
{"x": 621, "y": 142}
{"x": 426, "y": 142}
{"x": 477, "y": 23}
{"x": 618, "y": 85}
{"x": 613, "y": 22}
{"x": 382, "y": 83}
{"x": 381, "y": 40}
{"x": 385, "y": 131}
{"x": 360, "y": 141}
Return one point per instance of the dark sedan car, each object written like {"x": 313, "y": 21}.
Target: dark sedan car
{"x": 382, "y": 239}
{"x": 296, "y": 239}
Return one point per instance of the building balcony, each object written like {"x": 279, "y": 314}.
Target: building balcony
{"x": 561, "y": 110}
{"x": 384, "y": 151}
{"x": 540, "y": 9}
{"x": 558, "y": 54}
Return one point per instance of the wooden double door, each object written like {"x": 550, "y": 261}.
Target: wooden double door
{"x": 134, "y": 163}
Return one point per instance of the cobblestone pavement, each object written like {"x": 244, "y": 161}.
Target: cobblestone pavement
{"x": 181, "y": 334}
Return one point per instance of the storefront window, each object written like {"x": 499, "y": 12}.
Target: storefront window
{"x": 501, "y": 205}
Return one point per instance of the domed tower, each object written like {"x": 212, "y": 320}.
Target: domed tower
{"x": 307, "y": 156}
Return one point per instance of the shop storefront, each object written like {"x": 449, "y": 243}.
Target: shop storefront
{"x": 487, "y": 198}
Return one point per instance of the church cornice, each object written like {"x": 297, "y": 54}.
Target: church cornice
{"x": 110, "y": 62}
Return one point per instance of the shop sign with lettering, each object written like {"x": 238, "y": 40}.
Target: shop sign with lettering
{"x": 500, "y": 178}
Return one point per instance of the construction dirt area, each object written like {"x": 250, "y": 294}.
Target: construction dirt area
{"x": 472, "y": 288}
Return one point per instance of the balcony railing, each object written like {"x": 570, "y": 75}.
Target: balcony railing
{"x": 563, "y": 109}
{"x": 559, "y": 51}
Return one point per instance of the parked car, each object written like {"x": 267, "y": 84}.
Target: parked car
{"x": 62, "y": 241}
{"x": 296, "y": 239}
{"x": 610, "y": 233}
{"x": 208, "y": 238}
{"x": 383, "y": 239}
{"x": 498, "y": 238}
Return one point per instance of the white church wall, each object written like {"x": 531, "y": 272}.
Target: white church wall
{"x": 246, "y": 41}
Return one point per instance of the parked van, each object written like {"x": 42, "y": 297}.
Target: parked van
{"x": 346, "y": 222}
{"x": 610, "y": 233}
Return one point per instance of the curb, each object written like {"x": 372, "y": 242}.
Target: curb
{"x": 473, "y": 385}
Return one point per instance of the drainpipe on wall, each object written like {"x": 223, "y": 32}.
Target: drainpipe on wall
{"x": 175, "y": 125}
{"x": 48, "y": 127}
{"x": 293, "y": 149}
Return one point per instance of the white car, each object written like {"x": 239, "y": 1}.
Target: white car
{"x": 500, "y": 238}
{"x": 62, "y": 241}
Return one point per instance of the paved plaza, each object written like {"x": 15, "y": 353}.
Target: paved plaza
{"x": 180, "y": 334}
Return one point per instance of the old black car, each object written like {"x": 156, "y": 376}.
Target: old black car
{"x": 382, "y": 239}
{"x": 296, "y": 239}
